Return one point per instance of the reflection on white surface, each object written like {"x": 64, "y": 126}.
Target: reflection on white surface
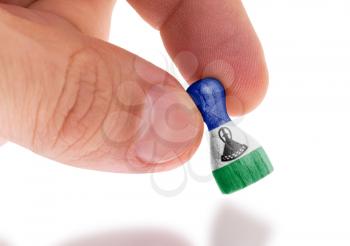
{"x": 3, "y": 243}
{"x": 233, "y": 227}
{"x": 230, "y": 227}
{"x": 132, "y": 237}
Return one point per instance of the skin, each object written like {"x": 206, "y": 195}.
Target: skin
{"x": 69, "y": 95}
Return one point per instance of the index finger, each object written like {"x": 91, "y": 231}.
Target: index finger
{"x": 212, "y": 39}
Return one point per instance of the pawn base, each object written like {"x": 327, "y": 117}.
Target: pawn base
{"x": 243, "y": 172}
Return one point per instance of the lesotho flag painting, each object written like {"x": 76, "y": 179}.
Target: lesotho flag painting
{"x": 237, "y": 159}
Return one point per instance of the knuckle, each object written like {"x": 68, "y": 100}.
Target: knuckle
{"x": 83, "y": 103}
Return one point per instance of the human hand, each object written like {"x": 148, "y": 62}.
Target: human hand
{"x": 67, "y": 94}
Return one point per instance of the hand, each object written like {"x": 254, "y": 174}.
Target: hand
{"x": 67, "y": 94}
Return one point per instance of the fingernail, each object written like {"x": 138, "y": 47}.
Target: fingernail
{"x": 174, "y": 126}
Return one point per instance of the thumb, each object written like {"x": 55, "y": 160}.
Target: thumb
{"x": 84, "y": 102}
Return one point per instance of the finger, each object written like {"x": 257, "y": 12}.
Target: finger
{"x": 212, "y": 39}
{"x": 2, "y": 141}
{"x": 87, "y": 103}
{"x": 92, "y": 17}
{"x": 23, "y": 3}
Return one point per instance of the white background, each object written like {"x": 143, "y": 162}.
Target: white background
{"x": 303, "y": 124}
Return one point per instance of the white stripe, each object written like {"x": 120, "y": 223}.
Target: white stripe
{"x": 217, "y": 145}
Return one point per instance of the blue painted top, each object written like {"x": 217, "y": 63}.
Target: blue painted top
{"x": 210, "y": 97}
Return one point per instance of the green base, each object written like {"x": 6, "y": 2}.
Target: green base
{"x": 243, "y": 172}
